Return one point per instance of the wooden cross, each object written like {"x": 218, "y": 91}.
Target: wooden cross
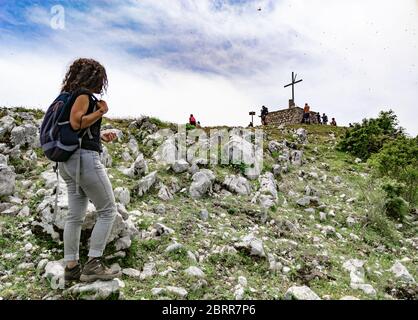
{"x": 293, "y": 85}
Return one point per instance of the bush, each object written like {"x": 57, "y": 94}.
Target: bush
{"x": 395, "y": 206}
{"x": 398, "y": 159}
{"x": 368, "y": 138}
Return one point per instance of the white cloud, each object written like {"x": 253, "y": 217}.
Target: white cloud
{"x": 356, "y": 58}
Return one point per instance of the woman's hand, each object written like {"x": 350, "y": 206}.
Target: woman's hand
{"x": 108, "y": 136}
{"x": 102, "y": 107}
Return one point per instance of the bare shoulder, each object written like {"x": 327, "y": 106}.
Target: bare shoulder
{"x": 82, "y": 102}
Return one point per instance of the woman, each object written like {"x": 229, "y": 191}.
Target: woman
{"x": 85, "y": 175}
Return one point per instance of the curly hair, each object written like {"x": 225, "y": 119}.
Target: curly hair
{"x": 85, "y": 74}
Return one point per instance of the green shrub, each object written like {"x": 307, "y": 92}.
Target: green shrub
{"x": 398, "y": 159}
{"x": 395, "y": 206}
{"x": 368, "y": 138}
{"x": 190, "y": 127}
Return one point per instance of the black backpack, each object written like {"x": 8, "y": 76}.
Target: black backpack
{"x": 58, "y": 140}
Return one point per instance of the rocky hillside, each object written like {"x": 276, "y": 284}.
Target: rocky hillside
{"x": 310, "y": 225}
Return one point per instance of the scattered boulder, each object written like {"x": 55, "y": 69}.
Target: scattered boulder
{"x": 180, "y": 166}
{"x": 7, "y": 180}
{"x": 165, "y": 193}
{"x": 251, "y": 244}
{"x": 300, "y": 293}
{"x": 308, "y": 201}
{"x": 138, "y": 168}
{"x": 106, "y": 158}
{"x": 202, "y": 183}
{"x": 146, "y": 183}
{"x": 54, "y": 270}
{"x": 204, "y": 215}
{"x": 302, "y": 135}
{"x": 355, "y": 267}
{"x": 99, "y": 290}
{"x": 25, "y": 134}
{"x": 122, "y": 195}
{"x": 7, "y": 124}
{"x": 401, "y": 272}
{"x": 296, "y": 157}
{"x": 195, "y": 272}
{"x": 237, "y": 184}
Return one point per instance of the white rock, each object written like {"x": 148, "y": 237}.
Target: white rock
{"x": 401, "y": 272}
{"x": 147, "y": 183}
{"x": 54, "y": 269}
{"x": 180, "y": 166}
{"x": 300, "y": 293}
{"x": 178, "y": 291}
{"x": 97, "y": 290}
{"x": 202, "y": 183}
{"x": 174, "y": 247}
{"x": 148, "y": 271}
{"x": 28, "y": 247}
{"x": 26, "y": 133}
{"x": 237, "y": 184}
{"x": 24, "y": 212}
{"x": 253, "y": 244}
{"x": 204, "y": 215}
{"x": 296, "y": 157}
{"x": 7, "y": 180}
{"x": 195, "y": 272}
{"x": 162, "y": 229}
{"x": 130, "y": 272}
{"x": 25, "y": 266}
{"x": 366, "y": 288}
{"x": 123, "y": 243}
{"x": 41, "y": 264}
{"x": 164, "y": 193}
{"x": 122, "y": 195}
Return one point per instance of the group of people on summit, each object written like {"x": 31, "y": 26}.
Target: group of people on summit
{"x": 306, "y": 119}
{"x": 321, "y": 120}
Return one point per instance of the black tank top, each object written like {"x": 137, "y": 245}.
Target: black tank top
{"x": 93, "y": 142}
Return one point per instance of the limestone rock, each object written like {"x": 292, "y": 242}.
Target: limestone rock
{"x": 251, "y": 244}
{"x": 122, "y": 195}
{"x": 202, "y": 183}
{"x": 7, "y": 180}
{"x": 147, "y": 183}
{"x": 401, "y": 273}
{"x": 237, "y": 184}
{"x": 25, "y": 134}
{"x": 180, "y": 166}
{"x": 301, "y": 293}
{"x": 195, "y": 272}
{"x": 99, "y": 290}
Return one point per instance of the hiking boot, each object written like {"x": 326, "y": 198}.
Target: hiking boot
{"x": 96, "y": 270}
{"x": 72, "y": 274}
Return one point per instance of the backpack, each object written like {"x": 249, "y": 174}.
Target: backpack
{"x": 58, "y": 140}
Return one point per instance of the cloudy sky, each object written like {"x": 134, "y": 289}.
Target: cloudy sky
{"x": 219, "y": 59}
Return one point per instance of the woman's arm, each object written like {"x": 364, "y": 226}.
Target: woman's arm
{"x": 78, "y": 119}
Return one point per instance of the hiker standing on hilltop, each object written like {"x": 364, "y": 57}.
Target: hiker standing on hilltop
{"x": 192, "y": 120}
{"x": 333, "y": 122}
{"x": 306, "y": 114}
{"x": 324, "y": 119}
{"x": 85, "y": 175}
{"x": 318, "y": 118}
{"x": 264, "y": 113}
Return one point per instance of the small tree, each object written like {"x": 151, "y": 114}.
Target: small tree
{"x": 368, "y": 138}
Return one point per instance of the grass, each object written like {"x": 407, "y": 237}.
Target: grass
{"x": 232, "y": 217}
